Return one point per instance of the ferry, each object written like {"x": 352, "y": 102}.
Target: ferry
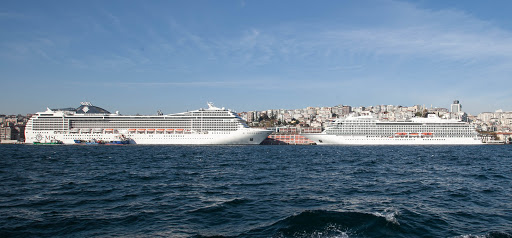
{"x": 367, "y": 130}
{"x": 210, "y": 126}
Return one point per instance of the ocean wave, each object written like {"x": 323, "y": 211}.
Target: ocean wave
{"x": 222, "y": 206}
{"x": 321, "y": 223}
{"x": 493, "y": 234}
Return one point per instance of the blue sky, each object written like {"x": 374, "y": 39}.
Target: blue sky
{"x": 141, "y": 56}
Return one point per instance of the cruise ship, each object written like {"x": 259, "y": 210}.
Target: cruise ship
{"x": 210, "y": 126}
{"x": 367, "y": 130}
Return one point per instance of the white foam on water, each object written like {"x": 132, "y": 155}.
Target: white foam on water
{"x": 390, "y": 215}
{"x": 330, "y": 231}
{"x": 470, "y": 236}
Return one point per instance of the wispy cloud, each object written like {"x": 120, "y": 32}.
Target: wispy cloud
{"x": 43, "y": 48}
{"x": 12, "y": 15}
{"x": 441, "y": 35}
{"x": 346, "y": 68}
{"x": 426, "y": 42}
{"x": 194, "y": 83}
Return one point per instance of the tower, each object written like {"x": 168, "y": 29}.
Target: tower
{"x": 456, "y": 107}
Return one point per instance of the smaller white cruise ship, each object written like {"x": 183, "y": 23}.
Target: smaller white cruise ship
{"x": 367, "y": 130}
{"x": 92, "y": 124}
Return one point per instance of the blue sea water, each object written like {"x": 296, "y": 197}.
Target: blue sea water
{"x": 255, "y": 191}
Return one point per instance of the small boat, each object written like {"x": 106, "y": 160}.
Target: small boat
{"x": 117, "y": 142}
{"x": 86, "y": 130}
{"x": 120, "y": 140}
{"x": 94, "y": 142}
{"x": 97, "y": 130}
{"x": 52, "y": 142}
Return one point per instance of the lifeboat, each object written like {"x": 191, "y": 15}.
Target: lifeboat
{"x": 401, "y": 133}
{"x": 427, "y": 133}
{"x": 109, "y": 130}
{"x": 141, "y": 130}
{"x": 150, "y": 130}
{"x": 160, "y": 129}
{"x": 97, "y": 130}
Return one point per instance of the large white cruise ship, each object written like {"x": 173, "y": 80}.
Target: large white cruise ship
{"x": 91, "y": 123}
{"x": 367, "y": 130}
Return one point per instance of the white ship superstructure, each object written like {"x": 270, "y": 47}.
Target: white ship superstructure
{"x": 367, "y": 130}
{"x": 86, "y": 123}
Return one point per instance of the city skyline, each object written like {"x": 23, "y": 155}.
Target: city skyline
{"x": 140, "y": 57}
{"x": 358, "y": 108}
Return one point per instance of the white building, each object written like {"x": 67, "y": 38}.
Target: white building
{"x": 456, "y": 107}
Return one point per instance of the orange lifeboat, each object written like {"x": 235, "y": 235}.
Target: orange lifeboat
{"x": 427, "y": 133}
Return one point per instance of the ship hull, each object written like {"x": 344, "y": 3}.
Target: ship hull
{"x": 326, "y": 139}
{"x": 244, "y": 136}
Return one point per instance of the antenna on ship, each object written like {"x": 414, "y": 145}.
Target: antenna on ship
{"x": 159, "y": 113}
